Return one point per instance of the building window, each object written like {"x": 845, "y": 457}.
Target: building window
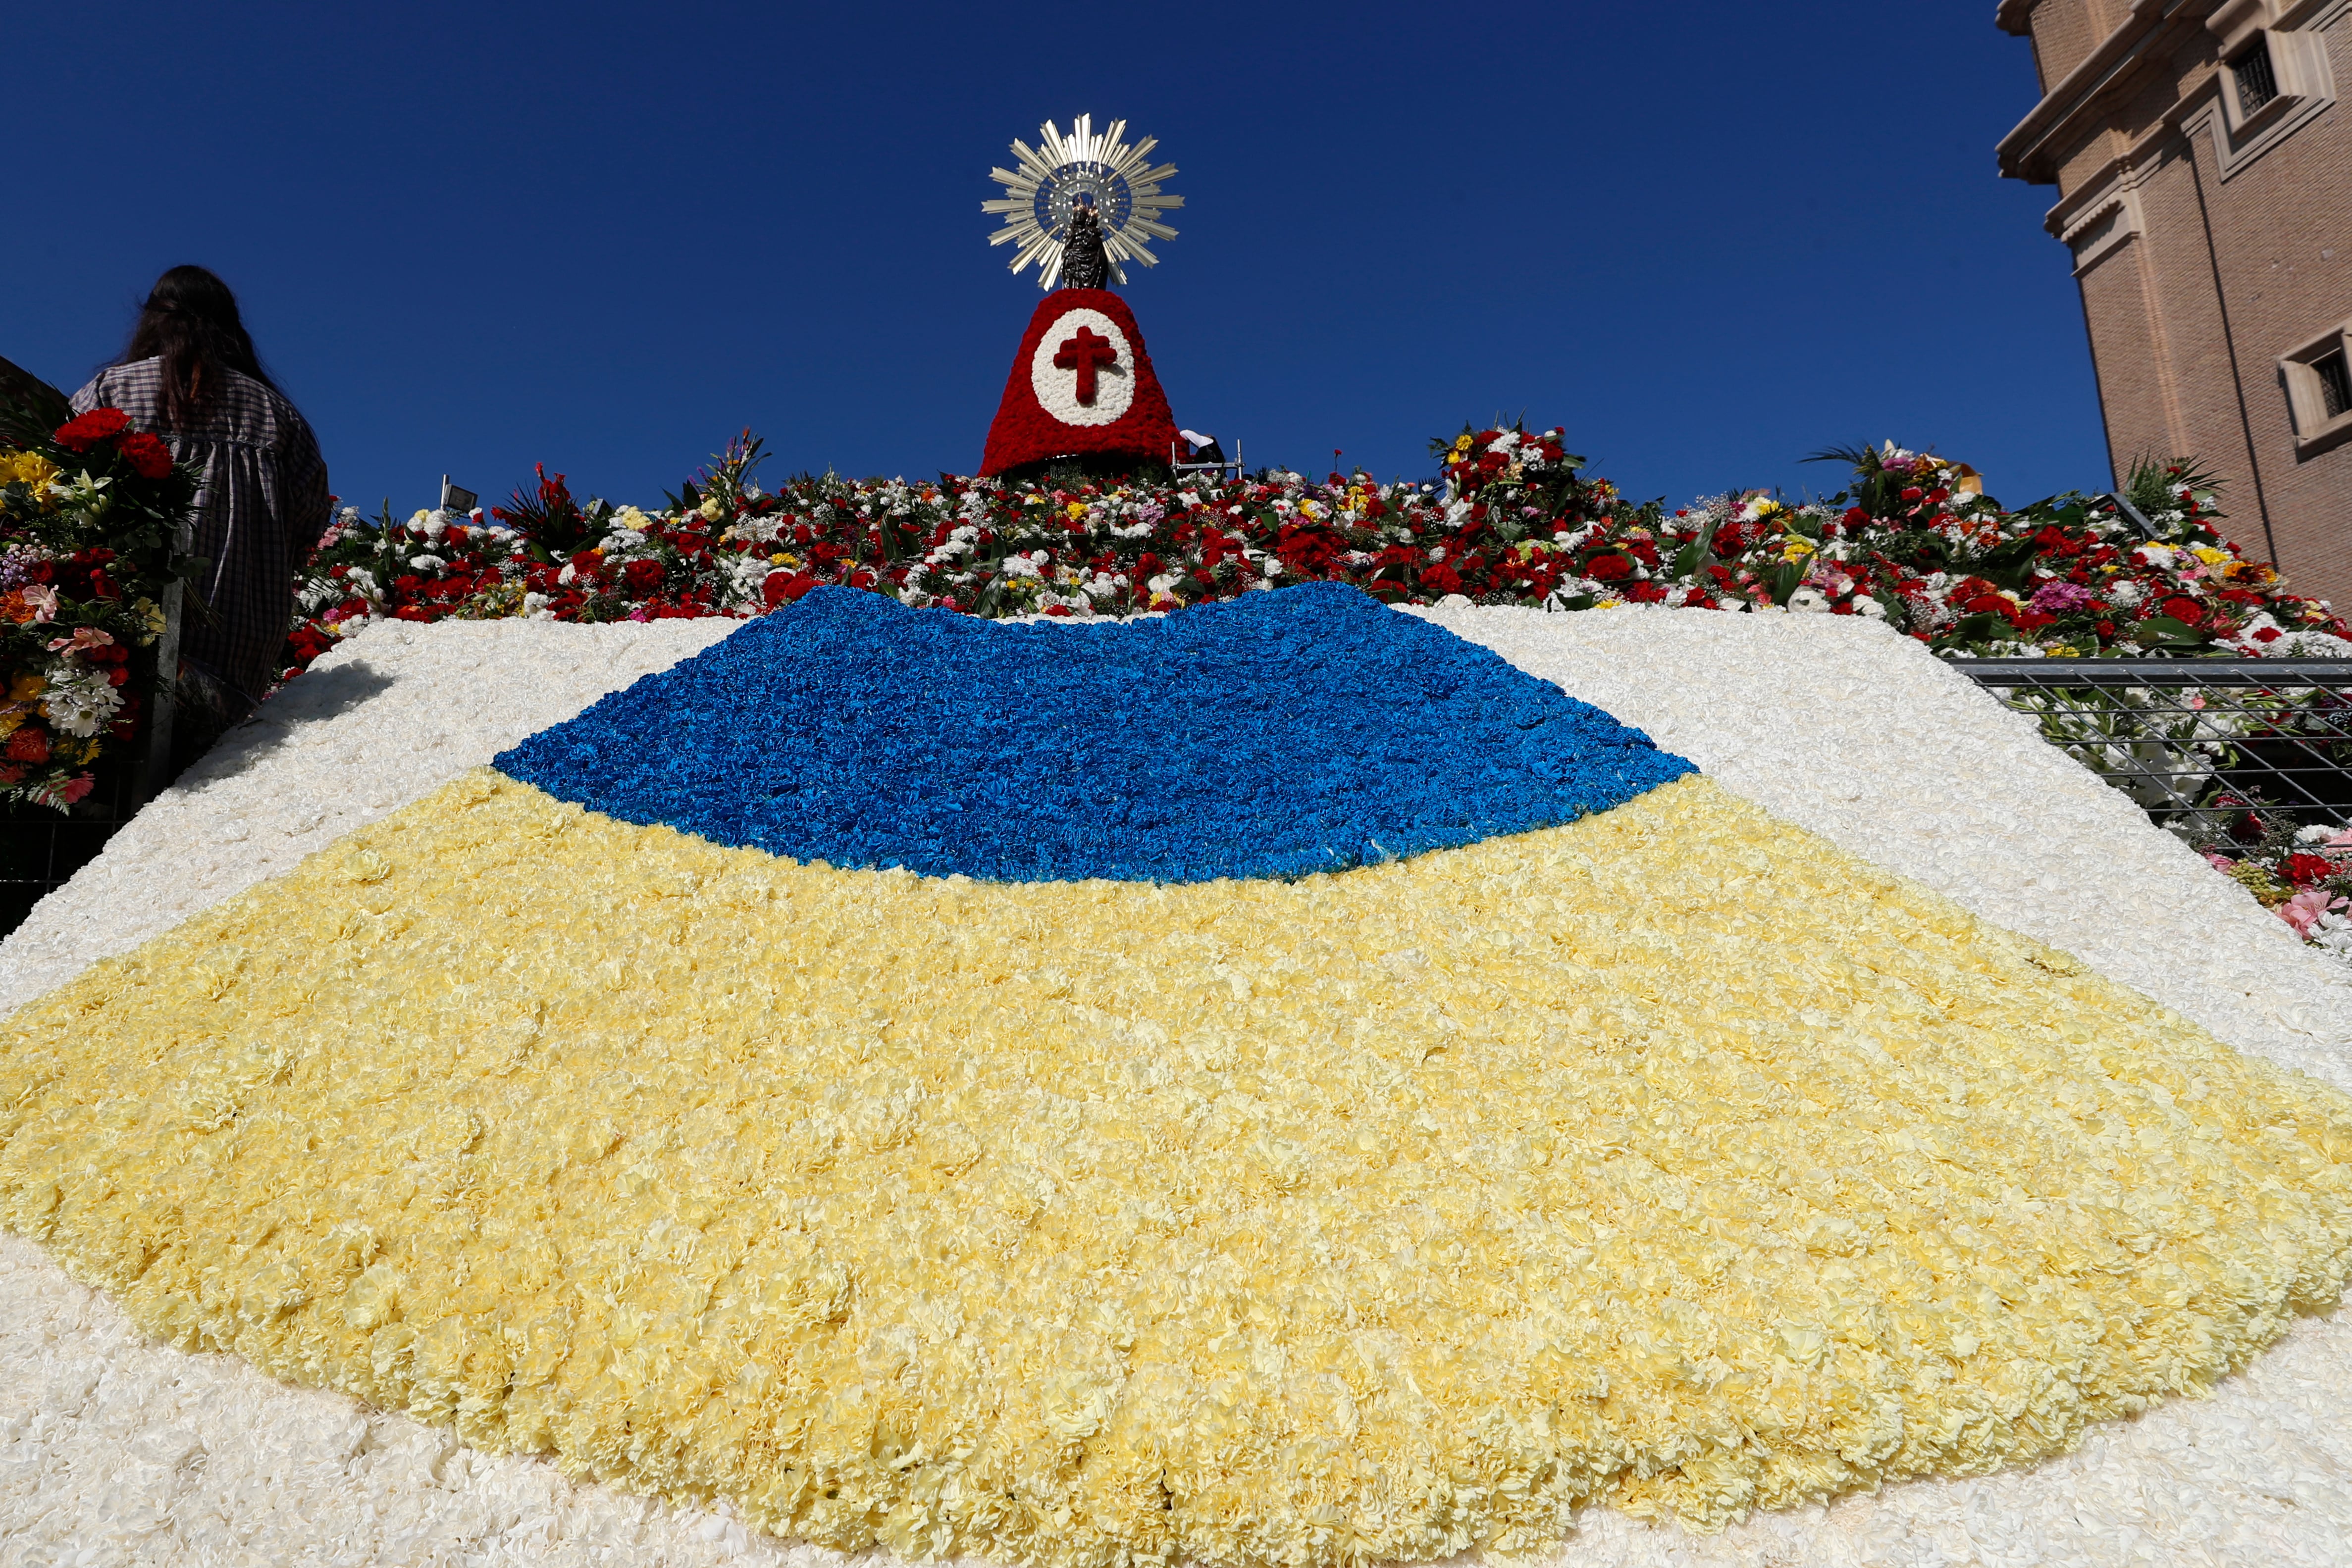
{"x": 2257, "y": 82}
{"x": 2334, "y": 379}
{"x": 2318, "y": 379}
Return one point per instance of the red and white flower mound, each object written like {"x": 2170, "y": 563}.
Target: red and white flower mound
{"x": 1082, "y": 385}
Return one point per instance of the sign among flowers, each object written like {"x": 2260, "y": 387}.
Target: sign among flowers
{"x": 88, "y": 514}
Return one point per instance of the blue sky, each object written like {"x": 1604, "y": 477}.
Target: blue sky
{"x": 1704, "y": 238}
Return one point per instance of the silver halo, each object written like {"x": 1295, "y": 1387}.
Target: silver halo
{"x": 1048, "y": 181}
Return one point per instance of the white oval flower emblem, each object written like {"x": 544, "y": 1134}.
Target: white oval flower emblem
{"x": 1083, "y": 369}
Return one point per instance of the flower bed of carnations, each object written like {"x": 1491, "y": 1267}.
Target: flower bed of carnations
{"x": 1834, "y": 726}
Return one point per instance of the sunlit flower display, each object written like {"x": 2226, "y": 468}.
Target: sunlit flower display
{"x": 1318, "y": 1217}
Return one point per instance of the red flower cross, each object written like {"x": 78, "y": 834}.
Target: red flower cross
{"x": 1083, "y": 354}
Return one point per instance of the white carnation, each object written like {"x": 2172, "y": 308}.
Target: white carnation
{"x": 79, "y": 699}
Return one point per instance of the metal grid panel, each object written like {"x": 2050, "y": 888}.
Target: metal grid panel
{"x": 41, "y": 847}
{"x": 2194, "y": 740}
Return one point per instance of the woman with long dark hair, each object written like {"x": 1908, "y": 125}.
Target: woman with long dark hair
{"x": 190, "y": 375}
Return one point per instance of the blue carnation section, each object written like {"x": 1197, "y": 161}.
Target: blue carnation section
{"x": 1305, "y": 730}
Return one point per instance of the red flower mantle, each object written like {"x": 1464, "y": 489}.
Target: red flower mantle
{"x": 1026, "y": 431}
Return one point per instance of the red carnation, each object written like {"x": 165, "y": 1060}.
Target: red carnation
{"x": 81, "y": 434}
{"x": 1607, "y": 567}
{"x": 148, "y": 457}
{"x": 785, "y": 587}
{"x": 2302, "y": 869}
{"x": 29, "y": 743}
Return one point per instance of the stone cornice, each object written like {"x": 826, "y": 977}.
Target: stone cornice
{"x": 2015, "y": 16}
{"x": 16, "y": 382}
{"x": 2033, "y": 151}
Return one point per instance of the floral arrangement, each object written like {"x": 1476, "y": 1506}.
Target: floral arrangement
{"x": 1178, "y": 787}
{"x": 1514, "y": 520}
{"x": 2299, "y": 871}
{"x": 1511, "y": 519}
{"x": 1054, "y": 405}
{"x": 1375, "y": 1215}
{"x": 88, "y": 514}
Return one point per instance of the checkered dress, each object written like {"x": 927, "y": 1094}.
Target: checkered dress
{"x": 262, "y": 506}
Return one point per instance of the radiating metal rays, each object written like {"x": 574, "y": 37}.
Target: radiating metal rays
{"x": 1048, "y": 179}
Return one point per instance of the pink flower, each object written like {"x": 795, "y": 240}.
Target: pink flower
{"x": 2220, "y": 862}
{"x": 83, "y": 637}
{"x": 77, "y": 787}
{"x": 2303, "y": 910}
{"x": 40, "y": 602}
{"x": 2059, "y": 598}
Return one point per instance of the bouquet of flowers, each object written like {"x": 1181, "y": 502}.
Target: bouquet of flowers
{"x": 88, "y": 512}
{"x": 2300, "y": 873}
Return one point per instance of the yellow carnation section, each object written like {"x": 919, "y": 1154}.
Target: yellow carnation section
{"x": 1672, "y": 1160}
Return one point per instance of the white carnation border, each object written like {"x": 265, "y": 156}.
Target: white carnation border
{"x": 116, "y": 1449}
{"x": 1057, "y": 389}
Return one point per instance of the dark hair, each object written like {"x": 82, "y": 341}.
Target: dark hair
{"x": 190, "y": 322}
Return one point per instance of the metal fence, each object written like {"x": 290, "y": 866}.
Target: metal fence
{"x": 41, "y": 847}
{"x": 2194, "y": 740}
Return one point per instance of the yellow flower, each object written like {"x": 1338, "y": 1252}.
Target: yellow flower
{"x": 29, "y": 469}
{"x": 26, "y": 687}
{"x": 1460, "y": 1192}
{"x": 1797, "y": 547}
{"x": 1076, "y": 510}
{"x": 2266, "y": 888}
{"x": 2209, "y": 555}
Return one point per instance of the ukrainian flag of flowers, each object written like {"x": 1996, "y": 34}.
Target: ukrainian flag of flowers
{"x": 1272, "y": 1085}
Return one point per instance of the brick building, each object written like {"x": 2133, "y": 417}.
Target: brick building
{"x": 2204, "y": 172}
